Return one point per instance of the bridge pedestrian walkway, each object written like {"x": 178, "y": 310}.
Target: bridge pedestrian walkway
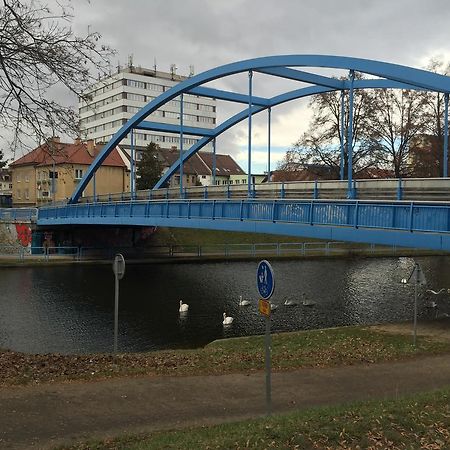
{"x": 50, "y": 415}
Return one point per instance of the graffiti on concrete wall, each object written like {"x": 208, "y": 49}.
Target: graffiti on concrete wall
{"x": 23, "y": 234}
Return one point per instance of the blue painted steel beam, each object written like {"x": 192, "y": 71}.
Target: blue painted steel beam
{"x": 403, "y": 74}
{"x": 350, "y": 137}
{"x": 445, "y": 158}
{"x": 172, "y": 128}
{"x": 299, "y": 75}
{"x": 228, "y": 96}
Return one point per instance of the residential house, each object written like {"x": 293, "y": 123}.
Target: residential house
{"x": 198, "y": 170}
{"x": 5, "y": 187}
{"x": 51, "y": 172}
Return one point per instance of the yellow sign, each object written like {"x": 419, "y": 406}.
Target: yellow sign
{"x": 264, "y": 307}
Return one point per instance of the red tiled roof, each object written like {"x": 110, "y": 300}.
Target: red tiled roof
{"x": 225, "y": 164}
{"x": 62, "y": 153}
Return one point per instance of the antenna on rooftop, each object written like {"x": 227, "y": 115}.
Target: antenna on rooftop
{"x": 173, "y": 70}
{"x": 130, "y": 61}
{"x": 191, "y": 71}
{"x": 154, "y": 65}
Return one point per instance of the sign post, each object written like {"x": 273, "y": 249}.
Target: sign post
{"x": 119, "y": 272}
{"x": 265, "y": 283}
{"x": 418, "y": 278}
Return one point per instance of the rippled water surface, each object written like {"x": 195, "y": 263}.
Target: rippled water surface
{"x": 70, "y": 309}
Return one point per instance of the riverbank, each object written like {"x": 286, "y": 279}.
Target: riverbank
{"x": 334, "y": 367}
{"x": 316, "y": 348}
{"x": 190, "y": 257}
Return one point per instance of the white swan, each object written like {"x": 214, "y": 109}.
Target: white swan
{"x": 290, "y": 303}
{"x": 243, "y": 302}
{"x": 307, "y": 302}
{"x": 227, "y": 320}
{"x": 438, "y": 292}
{"x": 183, "y": 306}
{"x": 273, "y": 306}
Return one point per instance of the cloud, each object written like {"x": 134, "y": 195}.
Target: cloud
{"x": 207, "y": 33}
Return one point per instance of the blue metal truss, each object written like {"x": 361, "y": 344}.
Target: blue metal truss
{"x": 389, "y": 76}
{"x": 409, "y": 224}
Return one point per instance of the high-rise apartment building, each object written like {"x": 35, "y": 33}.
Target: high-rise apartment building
{"x": 117, "y": 98}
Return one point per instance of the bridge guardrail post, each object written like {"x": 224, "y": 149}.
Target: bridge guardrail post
{"x": 205, "y": 192}
{"x": 199, "y": 251}
{"x": 399, "y": 189}
{"x": 282, "y": 192}
{"x": 316, "y": 190}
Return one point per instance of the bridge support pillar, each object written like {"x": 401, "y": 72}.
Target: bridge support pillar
{"x": 350, "y": 137}
{"x": 445, "y": 158}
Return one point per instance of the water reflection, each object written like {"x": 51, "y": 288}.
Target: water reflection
{"x": 70, "y": 309}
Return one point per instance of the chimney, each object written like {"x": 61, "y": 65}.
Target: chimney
{"x": 77, "y": 141}
{"x": 90, "y": 147}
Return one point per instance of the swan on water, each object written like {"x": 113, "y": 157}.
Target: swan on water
{"x": 273, "y": 306}
{"x": 243, "y": 302}
{"x": 227, "y": 320}
{"x": 290, "y": 303}
{"x": 438, "y": 292}
{"x": 183, "y": 306}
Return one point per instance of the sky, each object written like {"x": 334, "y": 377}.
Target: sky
{"x": 210, "y": 33}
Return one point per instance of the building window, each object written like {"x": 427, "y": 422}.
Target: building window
{"x": 27, "y": 193}
{"x": 27, "y": 179}
{"x": 78, "y": 174}
{"x": 19, "y": 194}
{"x": 52, "y": 174}
{"x": 18, "y": 178}
{"x": 203, "y": 176}
{"x": 177, "y": 179}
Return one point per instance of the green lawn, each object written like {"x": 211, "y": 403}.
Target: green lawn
{"x": 317, "y": 348}
{"x": 420, "y": 421}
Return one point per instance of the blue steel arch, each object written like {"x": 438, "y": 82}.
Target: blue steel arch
{"x": 392, "y": 75}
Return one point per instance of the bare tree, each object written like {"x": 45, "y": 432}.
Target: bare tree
{"x": 428, "y": 151}
{"x": 398, "y": 120}
{"x": 321, "y": 144}
{"x": 39, "y": 52}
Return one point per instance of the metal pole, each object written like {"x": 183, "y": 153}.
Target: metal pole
{"x": 116, "y": 311}
{"x": 268, "y": 369}
{"x": 214, "y": 163}
{"x": 132, "y": 164}
{"x": 342, "y": 134}
{"x": 350, "y": 137}
{"x": 249, "y": 176}
{"x": 416, "y": 284}
{"x": 181, "y": 146}
{"x": 445, "y": 162}
{"x": 269, "y": 123}
{"x": 94, "y": 187}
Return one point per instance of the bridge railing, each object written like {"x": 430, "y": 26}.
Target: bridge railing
{"x": 410, "y": 216}
{"x": 17, "y": 214}
{"x": 427, "y": 189}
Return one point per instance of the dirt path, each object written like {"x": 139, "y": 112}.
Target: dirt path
{"x": 45, "y": 416}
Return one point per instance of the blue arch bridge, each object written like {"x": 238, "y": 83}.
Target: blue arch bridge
{"x": 411, "y": 213}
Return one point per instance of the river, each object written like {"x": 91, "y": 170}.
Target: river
{"x": 69, "y": 309}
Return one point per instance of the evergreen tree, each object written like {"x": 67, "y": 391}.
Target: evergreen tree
{"x": 149, "y": 168}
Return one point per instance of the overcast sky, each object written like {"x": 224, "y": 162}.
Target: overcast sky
{"x": 209, "y": 33}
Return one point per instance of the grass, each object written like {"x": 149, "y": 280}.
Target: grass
{"x": 318, "y": 348}
{"x": 419, "y": 421}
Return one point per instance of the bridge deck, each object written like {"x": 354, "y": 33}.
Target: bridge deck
{"x": 410, "y": 224}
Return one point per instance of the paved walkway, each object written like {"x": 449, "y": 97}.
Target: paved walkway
{"x": 44, "y": 416}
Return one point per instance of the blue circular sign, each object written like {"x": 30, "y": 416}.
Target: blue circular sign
{"x": 265, "y": 280}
